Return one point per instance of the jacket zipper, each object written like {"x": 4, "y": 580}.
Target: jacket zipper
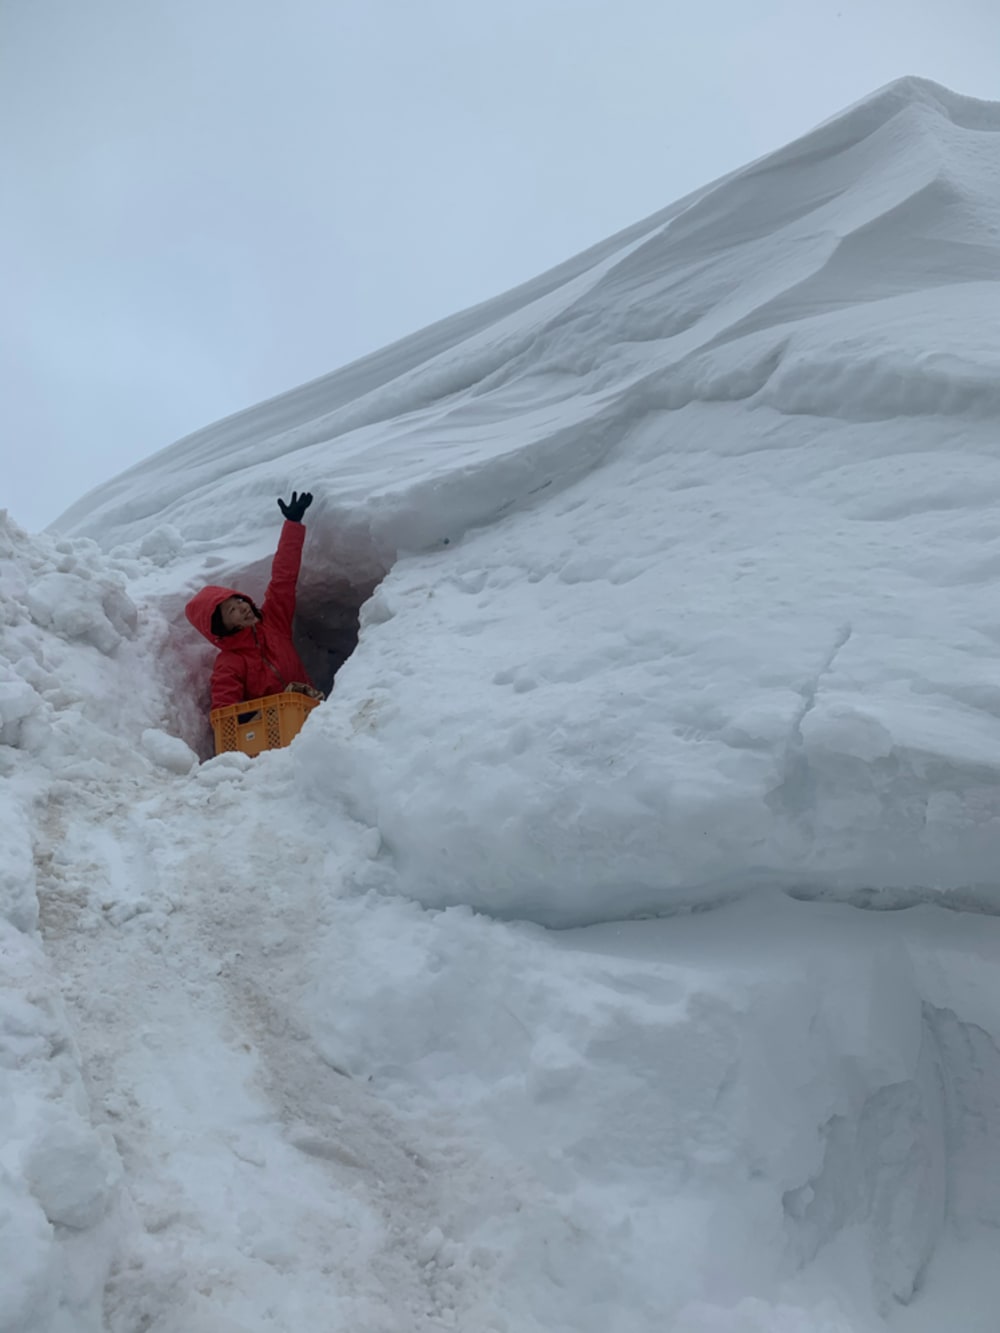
{"x": 266, "y": 660}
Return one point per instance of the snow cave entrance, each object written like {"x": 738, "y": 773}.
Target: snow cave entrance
{"x": 326, "y": 629}
{"x": 327, "y": 621}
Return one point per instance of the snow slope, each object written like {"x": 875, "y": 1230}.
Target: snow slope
{"x": 716, "y": 600}
{"x": 674, "y": 577}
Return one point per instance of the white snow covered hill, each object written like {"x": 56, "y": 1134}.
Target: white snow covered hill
{"x": 664, "y": 582}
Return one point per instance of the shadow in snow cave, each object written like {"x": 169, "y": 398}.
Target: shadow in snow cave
{"x": 326, "y": 626}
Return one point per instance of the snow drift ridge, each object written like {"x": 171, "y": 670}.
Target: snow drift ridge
{"x": 505, "y": 337}
{"x": 636, "y": 503}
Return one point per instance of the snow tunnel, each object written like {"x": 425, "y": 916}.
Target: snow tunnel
{"x": 327, "y": 623}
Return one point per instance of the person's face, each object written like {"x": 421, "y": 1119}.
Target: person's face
{"x": 236, "y": 614}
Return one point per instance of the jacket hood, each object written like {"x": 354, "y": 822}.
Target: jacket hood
{"x": 202, "y": 606}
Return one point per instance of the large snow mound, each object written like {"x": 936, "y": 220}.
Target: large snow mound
{"x": 684, "y": 567}
{"x": 688, "y": 546}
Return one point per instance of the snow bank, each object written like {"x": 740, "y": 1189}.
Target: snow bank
{"x": 776, "y": 1105}
{"x": 677, "y": 570}
{"x": 73, "y": 657}
{"x": 718, "y": 1112}
{"x": 58, "y": 1175}
{"x": 71, "y": 690}
{"x": 690, "y": 549}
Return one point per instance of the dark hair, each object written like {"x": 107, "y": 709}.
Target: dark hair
{"x": 218, "y": 629}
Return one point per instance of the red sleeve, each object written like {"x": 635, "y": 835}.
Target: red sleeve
{"x": 229, "y": 684}
{"x": 279, "y": 600}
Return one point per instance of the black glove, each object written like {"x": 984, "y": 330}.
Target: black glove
{"x": 296, "y": 506}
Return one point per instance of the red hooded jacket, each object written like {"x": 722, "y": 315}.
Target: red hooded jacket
{"x": 260, "y": 660}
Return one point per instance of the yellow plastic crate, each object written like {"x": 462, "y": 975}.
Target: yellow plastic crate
{"x": 276, "y": 720}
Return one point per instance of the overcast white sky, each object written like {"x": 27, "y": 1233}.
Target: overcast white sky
{"x": 209, "y": 201}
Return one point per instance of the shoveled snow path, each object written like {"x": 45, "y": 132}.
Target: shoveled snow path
{"x": 264, "y": 1190}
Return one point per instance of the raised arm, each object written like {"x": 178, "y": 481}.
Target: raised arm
{"x": 279, "y": 600}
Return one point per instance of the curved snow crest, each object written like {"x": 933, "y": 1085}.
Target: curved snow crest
{"x": 683, "y": 280}
{"x": 691, "y": 545}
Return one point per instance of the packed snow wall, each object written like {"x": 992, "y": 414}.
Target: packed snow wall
{"x": 692, "y": 546}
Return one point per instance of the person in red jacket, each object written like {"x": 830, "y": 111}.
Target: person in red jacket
{"x": 257, "y": 654}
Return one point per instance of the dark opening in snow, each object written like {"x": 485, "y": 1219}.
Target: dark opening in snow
{"x": 326, "y": 625}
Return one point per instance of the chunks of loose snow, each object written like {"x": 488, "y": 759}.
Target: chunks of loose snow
{"x": 17, "y": 701}
{"x": 223, "y": 768}
{"x": 72, "y": 1172}
{"x": 74, "y": 608}
{"x": 75, "y": 692}
{"x": 170, "y": 752}
{"x": 162, "y": 544}
{"x": 64, "y": 587}
{"x": 76, "y": 679}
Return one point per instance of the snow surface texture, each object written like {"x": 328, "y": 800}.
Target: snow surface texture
{"x": 675, "y": 570}
{"x": 717, "y": 604}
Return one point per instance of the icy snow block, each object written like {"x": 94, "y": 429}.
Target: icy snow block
{"x": 82, "y": 609}
{"x": 162, "y": 544}
{"x": 17, "y": 701}
{"x": 72, "y": 1173}
{"x": 169, "y": 752}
